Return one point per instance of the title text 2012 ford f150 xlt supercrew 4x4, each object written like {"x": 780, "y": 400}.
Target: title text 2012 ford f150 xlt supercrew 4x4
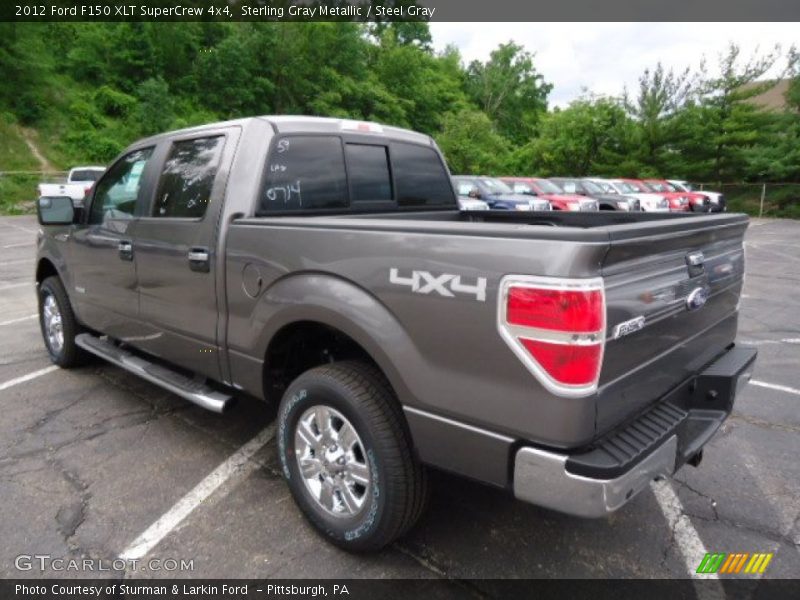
{"x": 569, "y": 358}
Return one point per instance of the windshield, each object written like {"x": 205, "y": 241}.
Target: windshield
{"x": 660, "y": 186}
{"x": 606, "y": 187}
{"x": 625, "y": 187}
{"x": 547, "y": 187}
{"x": 495, "y": 186}
{"x": 592, "y": 187}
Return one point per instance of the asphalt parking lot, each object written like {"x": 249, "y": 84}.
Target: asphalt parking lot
{"x": 92, "y": 459}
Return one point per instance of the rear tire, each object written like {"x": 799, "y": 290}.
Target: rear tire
{"x": 360, "y": 484}
{"x": 59, "y": 325}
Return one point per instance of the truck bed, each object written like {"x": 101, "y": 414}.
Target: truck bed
{"x": 437, "y": 340}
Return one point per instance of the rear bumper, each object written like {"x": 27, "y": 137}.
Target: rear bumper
{"x": 601, "y": 479}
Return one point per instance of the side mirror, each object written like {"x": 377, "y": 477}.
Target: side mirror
{"x": 55, "y": 210}
{"x": 474, "y": 193}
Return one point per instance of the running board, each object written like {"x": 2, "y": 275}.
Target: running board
{"x": 185, "y": 387}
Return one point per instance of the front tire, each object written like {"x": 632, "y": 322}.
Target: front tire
{"x": 346, "y": 456}
{"x": 58, "y": 324}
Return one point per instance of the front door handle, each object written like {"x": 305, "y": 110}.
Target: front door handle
{"x": 125, "y": 249}
{"x": 198, "y": 260}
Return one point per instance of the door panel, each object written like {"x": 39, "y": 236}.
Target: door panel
{"x": 176, "y": 255}
{"x": 101, "y": 250}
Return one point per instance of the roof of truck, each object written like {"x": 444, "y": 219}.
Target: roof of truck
{"x": 306, "y": 124}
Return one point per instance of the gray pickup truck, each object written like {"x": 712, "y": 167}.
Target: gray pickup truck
{"x": 323, "y": 264}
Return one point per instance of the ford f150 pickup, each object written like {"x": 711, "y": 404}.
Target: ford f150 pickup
{"x": 78, "y": 184}
{"x": 323, "y": 265}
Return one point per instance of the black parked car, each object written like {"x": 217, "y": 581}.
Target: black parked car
{"x": 586, "y": 187}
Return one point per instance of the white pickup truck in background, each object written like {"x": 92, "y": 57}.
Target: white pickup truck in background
{"x": 79, "y": 181}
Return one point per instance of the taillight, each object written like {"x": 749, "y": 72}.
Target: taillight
{"x": 557, "y": 328}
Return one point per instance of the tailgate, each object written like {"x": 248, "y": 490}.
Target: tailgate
{"x": 672, "y": 293}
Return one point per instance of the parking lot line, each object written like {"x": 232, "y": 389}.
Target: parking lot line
{"x": 775, "y": 386}
{"x": 28, "y": 377}
{"x": 18, "y": 245}
{"x": 16, "y": 285}
{"x": 18, "y": 227}
{"x": 238, "y": 463}
{"x": 20, "y": 320}
{"x": 687, "y": 540}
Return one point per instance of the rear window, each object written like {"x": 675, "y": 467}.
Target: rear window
{"x": 86, "y": 175}
{"x": 420, "y": 176}
{"x": 308, "y": 173}
{"x": 368, "y": 168}
{"x": 305, "y": 172}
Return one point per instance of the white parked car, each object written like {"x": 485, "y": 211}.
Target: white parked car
{"x": 79, "y": 181}
{"x": 717, "y": 199}
{"x": 650, "y": 202}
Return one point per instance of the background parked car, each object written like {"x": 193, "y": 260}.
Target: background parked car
{"x": 693, "y": 201}
{"x": 78, "y": 183}
{"x": 496, "y": 194}
{"x": 717, "y": 199}
{"x": 586, "y": 187}
{"x": 543, "y": 188}
{"x": 650, "y": 201}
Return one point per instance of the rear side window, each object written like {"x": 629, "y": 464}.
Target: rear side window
{"x": 188, "y": 177}
{"x": 420, "y": 176}
{"x": 305, "y": 172}
{"x": 368, "y": 168}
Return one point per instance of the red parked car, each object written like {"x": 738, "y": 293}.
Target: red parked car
{"x": 694, "y": 201}
{"x": 536, "y": 186}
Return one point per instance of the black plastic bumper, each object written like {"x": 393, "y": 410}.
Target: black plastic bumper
{"x": 692, "y": 413}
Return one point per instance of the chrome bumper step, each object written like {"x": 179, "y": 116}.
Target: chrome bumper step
{"x": 189, "y": 389}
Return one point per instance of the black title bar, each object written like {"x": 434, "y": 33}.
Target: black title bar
{"x": 399, "y": 10}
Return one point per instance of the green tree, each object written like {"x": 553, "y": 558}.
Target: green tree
{"x": 471, "y": 144}
{"x": 510, "y": 91}
{"x": 732, "y": 122}
{"x": 592, "y": 136}
{"x": 660, "y": 98}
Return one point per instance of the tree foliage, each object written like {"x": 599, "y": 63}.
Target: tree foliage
{"x": 92, "y": 88}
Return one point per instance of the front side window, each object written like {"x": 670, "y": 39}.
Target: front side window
{"x": 420, "y": 176}
{"x": 368, "y": 169}
{"x": 304, "y": 172}
{"x": 117, "y": 192}
{"x": 185, "y": 186}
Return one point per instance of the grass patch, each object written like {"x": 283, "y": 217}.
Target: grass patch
{"x": 14, "y": 152}
{"x": 17, "y": 194}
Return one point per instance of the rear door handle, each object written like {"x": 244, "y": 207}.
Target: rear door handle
{"x": 198, "y": 260}
{"x": 125, "y": 249}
